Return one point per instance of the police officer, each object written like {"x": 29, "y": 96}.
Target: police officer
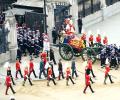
{"x": 52, "y": 57}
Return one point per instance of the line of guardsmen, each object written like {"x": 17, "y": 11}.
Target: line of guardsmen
{"x": 28, "y": 40}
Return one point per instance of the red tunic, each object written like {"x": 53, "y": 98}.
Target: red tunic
{"x": 107, "y": 70}
{"x": 31, "y": 66}
{"x": 49, "y": 73}
{"x": 68, "y": 73}
{"x": 83, "y": 37}
{"x": 98, "y": 39}
{"x": 25, "y": 73}
{"x": 87, "y": 79}
{"x": 8, "y": 81}
{"x": 43, "y": 55}
{"x": 89, "y": 64}
{"x": 17, "y": 66}
{"x": 105, "y": 41}
{"x": 91, "y": 38}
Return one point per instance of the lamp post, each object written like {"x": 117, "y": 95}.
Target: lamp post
{"x": 45, "y": 17}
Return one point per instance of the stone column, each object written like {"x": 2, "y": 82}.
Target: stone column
{"x": 74, "y": 13}
{"x": 12, "y": 36}
{"x": 103, "y": 7}
{"x": 50, "y": 19}
{"x": 103, "y": 3}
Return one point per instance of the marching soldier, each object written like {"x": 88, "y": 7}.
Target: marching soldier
{"x": 90, "y": 67}
{"x": 26, "y": 76}
{"x": 10, "y": 74}
{"x": 8, "y": 84}
{"x": 98, "y": 39}
{"x": 105, "y": 40}
{"x": 68, "y": 76}
{"x": 83, "y": 37}
{"x": 31, "y": 68}
{"x": 107, "y": 70}
{"x": 87, "y": 81}
{"x": 53, "y": 73}
{"x": 91, "y": 40}
{"x": 42, "y": 69}
{"x": 73, "y": 67}
{"x": 60, "y": 69}
{"x": 49, "y": 76}
{"x": 18, "y": 69}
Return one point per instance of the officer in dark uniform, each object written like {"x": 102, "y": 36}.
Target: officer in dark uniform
{"x": 52, "y": 57}
{"x": 103, "y": 58}
{"x": 10, "y": 74}
{"x": 113, "y": 60}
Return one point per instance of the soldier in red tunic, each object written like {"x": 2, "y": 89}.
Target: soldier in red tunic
{"x": 18, "y": 69}
{"x": 107, "y": 70}
{"x": 49, "y": 76}
{"x": 8, "y": 85}
{"x": 105, "y": 40}
{"x": 91, "y": 40}
{"x": 26, "y": 76}
{"x": 90, "y": 67}
{"x": 98, "y": 39}
{"x": 87, "y": 81}
{"x": 31, "y": 68}
{"x": 83, "y": 37}
{"x": 43, "y": 56}
{"x": 68, "y": 76}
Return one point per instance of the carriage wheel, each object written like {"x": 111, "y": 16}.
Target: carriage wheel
{"x": 88, "y": 52}
{"x": 66, "y": 52}
{"x": 76, "y": 52}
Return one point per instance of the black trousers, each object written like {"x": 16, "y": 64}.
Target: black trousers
{"x": 91, "y": 70}
{"x": 89, "y": 87}
{"x": 68, "y": 80}
{"x": 107, "y": 77}
{"x": 91, "y": 44}
{"x": 60, "y": 74}
{"x": 10, "y": 88}
{"x": 103, "y": 61}
{"x": 12, "y": 79}
{"x": 33, "y": 71}
{"x": 53, "y": 58}
{"x": 25, "y": 78}
{"x": 42, "y": 71}
{"x": 80, "y": 28}
{"x": 51, "y": 79}
{"x": 113, "y": 63}
{"x": 74, "y": 72}
{"x": 20, "y": 73}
